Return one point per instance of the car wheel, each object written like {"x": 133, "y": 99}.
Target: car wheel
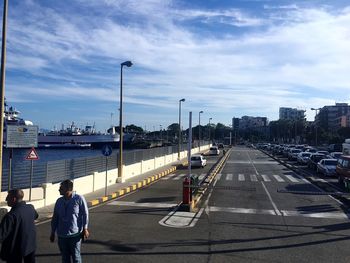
{"x": 340, "y": 180}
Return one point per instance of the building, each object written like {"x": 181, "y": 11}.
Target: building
{"x": 248, "y": 122}
{"x": 291, "y": 114}
{"x": 332, "y": 118}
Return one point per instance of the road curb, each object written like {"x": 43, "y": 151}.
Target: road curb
{"x": 217, "y": 168}
{"x": 131, "y": 188}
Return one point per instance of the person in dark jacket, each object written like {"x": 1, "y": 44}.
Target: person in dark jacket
{"x": 17, "y": 230}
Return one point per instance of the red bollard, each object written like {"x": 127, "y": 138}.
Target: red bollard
{"x": 186, "y": 197}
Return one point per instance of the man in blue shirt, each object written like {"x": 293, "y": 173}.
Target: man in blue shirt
{"x": 70, "y": 221}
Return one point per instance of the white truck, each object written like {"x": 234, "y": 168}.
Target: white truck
{"x": 346, "y": 147}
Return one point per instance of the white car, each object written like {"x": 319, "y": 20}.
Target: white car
{"x": 327, "y": 167}
{"x": 303, "y": 157}
{"x": 214, "y": 150}
{"x": 198, "y": 161}
{"x": 335, "y": 155}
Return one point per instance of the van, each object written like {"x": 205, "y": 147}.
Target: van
{"x": 214, "y": 150}
{"x": 343, "y": 168}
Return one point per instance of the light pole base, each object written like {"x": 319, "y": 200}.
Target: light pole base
{"x": 120, "y": 180}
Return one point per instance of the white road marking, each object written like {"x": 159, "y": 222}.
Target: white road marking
{"x": 218, "y": 177}
{"x": 241, "y": 210}
{"x": 253, "y": 178}
{"x": 291, "y": 178}
{"x": 301, "y": 178}
{"x": 255, "y": 162}
{"x": 278, "y": 178}
{"x": 156, "y": 205}
{"x": 167, "y": 177}
{"x": 328, "y": 215}
{"x": 178, "y": 177}
{"x": 241, "y": 177}
{"x": 181, "y": 219}
{"x": 271, "y": 201}
{"x": 265, "y": 178}
{"x": 318, "y": 179}
{"x": 202, "y": 176}
{"x": 229, "y": 177}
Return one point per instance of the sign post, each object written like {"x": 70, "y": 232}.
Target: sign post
{"x": 32, "y": 155}
{"x": 106, "y": 151}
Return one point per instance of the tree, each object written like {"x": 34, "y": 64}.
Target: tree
{"x": 133, "y": 128}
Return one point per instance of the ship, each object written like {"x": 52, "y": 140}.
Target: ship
{"x": 70, "y": 137}
{"x": 73, "y": 135}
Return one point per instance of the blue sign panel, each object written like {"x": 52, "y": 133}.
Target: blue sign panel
{"x": 107, "y": 150}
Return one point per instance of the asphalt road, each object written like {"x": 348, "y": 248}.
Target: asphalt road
{"x": 243, "y": 218}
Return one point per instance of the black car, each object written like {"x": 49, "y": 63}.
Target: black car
{"x": 314, "y": 159}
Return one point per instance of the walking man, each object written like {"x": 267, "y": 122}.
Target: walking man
{"x": 70, "y": 221}
{"x": 17, "y": 230}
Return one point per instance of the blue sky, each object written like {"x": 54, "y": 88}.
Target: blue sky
{"x": 227, "y": 58}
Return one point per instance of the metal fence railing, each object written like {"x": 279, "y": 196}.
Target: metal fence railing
{"x": 57, "y": 171}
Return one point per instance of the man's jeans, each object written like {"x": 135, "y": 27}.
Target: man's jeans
{"x": 70, "y": 249}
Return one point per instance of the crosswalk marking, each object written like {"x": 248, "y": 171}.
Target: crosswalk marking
{"x": 167, "y": 177}
{"x": 291, "y": 178}
{"x": 241, "y": 177}
{"x": 253, "y": 178}
{"x": 229, "y": 177}
{"x": 278, "y": 178}
{"x": 265, "y": 178}
{"x": 178, "y": 177}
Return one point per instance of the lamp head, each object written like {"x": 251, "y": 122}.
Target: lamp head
{"x": 127, "y": 63}
{"x": 201, "y": 111}
{"x": 182, "y": 100}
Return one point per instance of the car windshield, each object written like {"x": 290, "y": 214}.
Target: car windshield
{"x": 330, "y": 162}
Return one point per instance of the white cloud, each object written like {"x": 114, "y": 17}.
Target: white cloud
{"x": 295, "y": 63}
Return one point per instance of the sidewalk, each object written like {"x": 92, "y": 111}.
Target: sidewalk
{"x": 116, "y": 190}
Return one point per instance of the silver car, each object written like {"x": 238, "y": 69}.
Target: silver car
{"x": 303, "y": 157}
{"x": 327, "y": 167}
{"x": 198, "y": 161}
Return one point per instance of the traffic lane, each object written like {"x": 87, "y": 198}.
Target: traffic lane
{"x": 316, "y": 230}
{"x": 128, "y": 231}
{"x": 132, "y": 234}
{"x": 259, "y": 238}
{"x": 239, "y": 153}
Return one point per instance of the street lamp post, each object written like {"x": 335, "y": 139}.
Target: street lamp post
{"x": 209, "y": 129}
{"x": 199, "y": 130}
{"x": 120, "y": 163}
{"x": 2, "y": 90}
{"x": 315, "y": 123}
{"x": 180, "y": 135}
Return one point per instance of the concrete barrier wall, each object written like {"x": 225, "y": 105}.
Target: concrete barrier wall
{"x": 48, "y": 193}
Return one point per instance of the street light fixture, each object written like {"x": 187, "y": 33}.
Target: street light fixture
{"x": 120, "y": 163}
{"x": 180, "y": 135}
{"x": 315, "y": 122}
{"x": 209, "y": 129}
{"x": 199, "y": 130}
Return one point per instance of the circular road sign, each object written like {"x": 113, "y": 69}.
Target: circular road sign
{"x": 107, "y": 150}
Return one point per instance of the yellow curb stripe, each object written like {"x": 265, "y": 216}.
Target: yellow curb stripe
{"x": 94, "y": 202}
{"x": 127, "y": 190}
{"x": 144, "y": 182}
{"x": 133, "y": 187}
{"x": 121, "y": 192}
{"x": 148, "y": 180}
{"x": 103, "y": 198}
{"x": 113, "y": 195}
{"x": 139, "y": 184}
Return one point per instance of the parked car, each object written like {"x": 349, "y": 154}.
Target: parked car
{"x": 314, "y": 159}
{"x": 336, "y": 155}
{"x": 303, "y": 157}
{"x": 343, "y": 168}
{"x": 323, "y": 152}
{"x": 327, "y": 167}
{"x": 198, "y": 161}
{"x": 292, "y": 155}
{"x": 310, "y": 150}
{"x": 214, "y": 150}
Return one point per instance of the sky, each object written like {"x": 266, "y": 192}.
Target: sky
{"x": 226, "y": 58}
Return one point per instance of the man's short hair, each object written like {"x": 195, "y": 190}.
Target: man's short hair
{"x": 68, "y": 184}
{"x": 17, "y": 193}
